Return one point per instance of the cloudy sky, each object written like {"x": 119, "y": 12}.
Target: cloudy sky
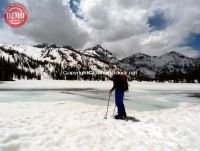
{"x": 124, "y": 27}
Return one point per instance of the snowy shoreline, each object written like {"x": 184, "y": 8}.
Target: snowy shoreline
{"x": 74, "y": 126}
{"x": 69, "y": 115}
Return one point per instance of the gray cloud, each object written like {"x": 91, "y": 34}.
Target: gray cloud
{"x": 182, "y": 18}
{"x": 119, "y": 25}
{"x": 51, "y": 21}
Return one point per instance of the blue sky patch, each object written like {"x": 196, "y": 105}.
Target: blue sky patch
{"x": 193, "y": 41}
{"x": 3, "y": 4}
{"x": 157, "y": 22}
{"x": 74, "y": 6}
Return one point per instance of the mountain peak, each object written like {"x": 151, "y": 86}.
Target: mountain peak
{"x": 42, "y": 45}
{"x": 52, "y": 45}
{"x": 46, "y": 45}
{"x": 99, "y": 52}
{"x": 97, "y": 47}
{"x": 174, "y": 54}
{"x": 137, "y": 55}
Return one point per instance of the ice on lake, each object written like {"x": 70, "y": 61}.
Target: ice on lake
{"x": 142, "y": 96}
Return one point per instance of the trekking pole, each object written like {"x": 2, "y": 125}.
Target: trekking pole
{"x": 114, "y": 111}
{"x": 107, "y": 107}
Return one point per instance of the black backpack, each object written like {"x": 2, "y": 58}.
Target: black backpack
{"x": 124, "y": 80}
{"x": 121, "y": 82}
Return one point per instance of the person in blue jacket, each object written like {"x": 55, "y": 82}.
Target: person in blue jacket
{"x": 120, "y": 85}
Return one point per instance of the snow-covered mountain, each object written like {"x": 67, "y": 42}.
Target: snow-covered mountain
{"x": 150, "y": 65}
{"x": 99, "y": 52}
{"x": 51, "y": 59}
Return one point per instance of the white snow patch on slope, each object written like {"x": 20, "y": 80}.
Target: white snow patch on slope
{"x": 28, "y": 50}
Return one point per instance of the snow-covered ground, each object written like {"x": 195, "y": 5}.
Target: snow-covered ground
{"x": 69, "y": 115}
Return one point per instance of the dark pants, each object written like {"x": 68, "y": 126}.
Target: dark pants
{"x": 119, "y": 96}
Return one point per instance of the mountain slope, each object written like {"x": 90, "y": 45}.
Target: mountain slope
{"x": 169, "y": 62}
{"x": 50, "y": 59}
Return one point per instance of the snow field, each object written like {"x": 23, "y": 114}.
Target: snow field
{"x": 53, "y": 126}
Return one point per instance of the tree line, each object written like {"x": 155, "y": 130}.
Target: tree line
{"x": 189, "y": 75}
{"x": 9, "y": 71}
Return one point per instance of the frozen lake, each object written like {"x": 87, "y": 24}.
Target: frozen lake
{"x": 142, "y": 96}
